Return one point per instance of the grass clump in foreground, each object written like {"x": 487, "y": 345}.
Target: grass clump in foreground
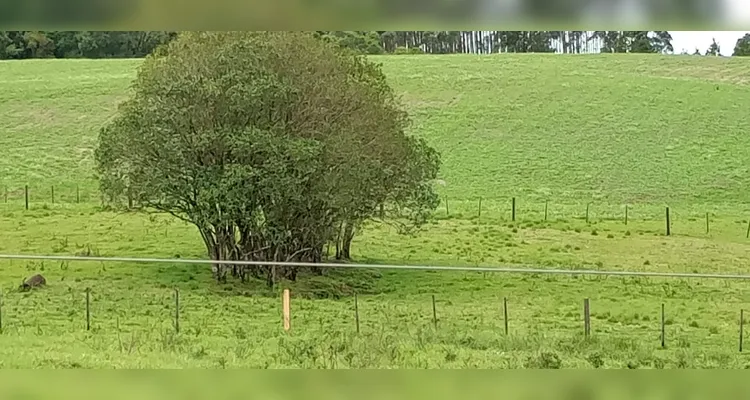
{"x": 664, "y": 130}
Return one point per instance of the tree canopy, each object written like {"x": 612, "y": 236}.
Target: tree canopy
{"x": 742, "y": 47}
{"x": 274, "y": 145}
{"x": 635, "y": 41}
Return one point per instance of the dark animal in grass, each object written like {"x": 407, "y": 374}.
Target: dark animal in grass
{"x": 32, "y": 282}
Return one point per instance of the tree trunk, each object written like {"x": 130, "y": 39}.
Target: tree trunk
{"x": 214, "y": 252}
{"x": 250, "y": 248}
{"x": 225, "y": 243}
{"x": 271, "y": 276}
{"x": 340, "y": 247}
{"x": 349, "y": 232}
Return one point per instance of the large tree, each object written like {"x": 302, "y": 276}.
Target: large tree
{"x": 273, "y": 144}
{"x": 742, "y": 47}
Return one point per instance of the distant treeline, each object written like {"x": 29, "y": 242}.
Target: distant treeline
{"x": 136, "y": 44}
{"x": 80, "y": 44}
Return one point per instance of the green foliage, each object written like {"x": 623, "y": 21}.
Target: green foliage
{"x": 525, "y": 41}
{"x": 77, "y": 44}
{"x": 544, "y": 360}
{"x": 635, "y": 41}
{"x": 39, "y": 45}
{"x": 9, "y": 45}
{"x": 714, "y": 49}
{"x": 272, "y": 144}
{"x": 363, "y": 42}
{"x": 742, "y": 47}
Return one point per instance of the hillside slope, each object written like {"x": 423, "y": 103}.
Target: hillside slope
{"x": 618, "y": 128}
{"x": 612, "y": 128}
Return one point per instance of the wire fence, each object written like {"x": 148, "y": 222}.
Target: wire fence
{"x": 511, "y": 208}
{"x": 731, "y": 221}
{"x": 28, "y": 196}
{"x": 100, "y": 309}
{"x": 499, "y": 269}
{"x": 111, "y": 306}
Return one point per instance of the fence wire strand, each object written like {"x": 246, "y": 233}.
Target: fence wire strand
{"x": 517, "y": 269}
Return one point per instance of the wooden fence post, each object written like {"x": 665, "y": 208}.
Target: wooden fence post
{"x": 586, "y": 318}
{"x": 663, "y": 332}
{"x": 513, "y": 210}
{"x": 53, "y": 194}
{"x": 742, "y": 322}
{"x": 707, "y": 222}
{"x": 88, "y": 309}
{"x": 356, "y": 312}
{"x": 286, "y": 310}
{"x": 177, "y": 310}
{"x": 434, "y": 312}
{"x": 669, "y": 224}
{"x": 26, "y": 195}
{"x": 587, "y": 212}
{"x": 479, "y": 213}
{"x": 505, "y": 314}
{"x": 545, "y": 210}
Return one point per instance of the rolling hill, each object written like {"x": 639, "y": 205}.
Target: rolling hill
{"x": 609, "y": 128}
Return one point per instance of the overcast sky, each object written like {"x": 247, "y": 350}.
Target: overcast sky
{"x": 689, "y": 40}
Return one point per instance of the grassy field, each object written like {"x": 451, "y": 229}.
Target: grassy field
{"x": 646, "y": 131}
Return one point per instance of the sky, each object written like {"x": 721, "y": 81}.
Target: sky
{"x": 689, "y": 40}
